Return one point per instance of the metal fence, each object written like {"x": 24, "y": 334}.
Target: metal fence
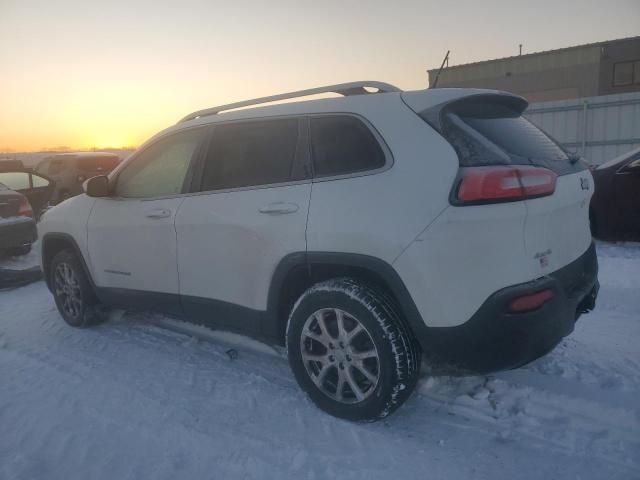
{"x": 599, "y": 128}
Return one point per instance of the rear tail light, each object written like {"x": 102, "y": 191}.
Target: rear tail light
{"x": 527, "y": 303}
{"x": 478, "y": 185}
{"x": 25, "y": 209}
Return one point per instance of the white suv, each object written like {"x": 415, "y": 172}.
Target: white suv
{"x": 366, "y": 232}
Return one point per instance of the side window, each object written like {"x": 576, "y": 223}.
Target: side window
{"x": 16, "y": 180}
{"x": 253, "y": 153}
{"x": 160, "y": 169}
{"x": 39, "y": 181}
{"x": 343, "y": 144}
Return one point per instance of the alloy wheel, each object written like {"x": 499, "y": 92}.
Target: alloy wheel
{"x": 339, "y": 355}
{"x": 67, "y": 289}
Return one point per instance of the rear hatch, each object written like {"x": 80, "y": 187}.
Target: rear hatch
{"x": 489, "y": 132}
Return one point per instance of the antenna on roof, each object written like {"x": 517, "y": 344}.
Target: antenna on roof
{"x": 520, "y": 49}
{"x": 446, "y": 60}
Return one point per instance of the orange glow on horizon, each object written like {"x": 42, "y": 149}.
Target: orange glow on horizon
{"x": 85, "y": 75}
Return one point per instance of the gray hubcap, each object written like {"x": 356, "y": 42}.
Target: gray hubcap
{"x": 67, "y": 290}
{"x": 339, "y": 355}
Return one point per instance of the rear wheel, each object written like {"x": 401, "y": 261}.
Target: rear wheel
{"x": 350, "y": 351}
{"x": 72, "y": 291}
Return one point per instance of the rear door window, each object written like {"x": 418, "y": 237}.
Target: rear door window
{"x": 16, "y": 180}
{"x": 343, "y": 144}
{"x": 39, "y": 182}
{"x": 253, "y": 153}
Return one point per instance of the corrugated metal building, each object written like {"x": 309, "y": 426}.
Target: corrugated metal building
{"x": 587, "y": 96}
{"x": 599, "y": 128}
{"x": 602, "y": 68}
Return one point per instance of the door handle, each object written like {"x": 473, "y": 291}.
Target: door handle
{"x": 279, "y": 208}
{"x": 159, "y": 213}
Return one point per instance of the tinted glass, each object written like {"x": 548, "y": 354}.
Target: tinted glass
{"x": 343, "y": 144}
{"x": 98, "y": 164}
{"x": 160, "y": 169}
{"x": 15, "y": 180}
{"x": 252, "y": 153}
{"x": 512, "y": 132}
{"x": 492, "y": 131}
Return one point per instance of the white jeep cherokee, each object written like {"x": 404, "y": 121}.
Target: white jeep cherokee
{"x": 366, "y": 232}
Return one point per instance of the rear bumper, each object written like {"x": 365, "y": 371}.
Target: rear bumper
{"x": 18, "y": 233}
{"x": 494, "y": 339}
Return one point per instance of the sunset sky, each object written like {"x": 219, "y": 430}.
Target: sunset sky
{"x": 83, "y": 73}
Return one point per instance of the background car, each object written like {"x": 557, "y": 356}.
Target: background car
{"x": 615, "y": 205}
{"x": 37, "y": 188}
{"x": 17, "y": 227}
{"x": 70, "y": 170}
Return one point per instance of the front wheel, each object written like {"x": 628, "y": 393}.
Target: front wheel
{"x": 350, "y": 351}
{"x": 72, "y": 291}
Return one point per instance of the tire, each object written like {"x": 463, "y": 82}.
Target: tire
{"x": 326, "y": 363}
{"x": 73, "y": 293}
{"x": 18, "y": 251}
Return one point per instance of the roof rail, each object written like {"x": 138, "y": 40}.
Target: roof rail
{"x": 346, "y": 89}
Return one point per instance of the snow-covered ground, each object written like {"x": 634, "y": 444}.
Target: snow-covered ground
{"x": 22, "y": 262}
{"x": 146, "y": 397}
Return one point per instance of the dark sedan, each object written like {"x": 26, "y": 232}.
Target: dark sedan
{"x": 17, "y": 227}
{"x": 615, "y": 206}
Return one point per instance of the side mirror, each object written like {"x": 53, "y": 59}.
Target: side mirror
{"x": 97, "y": 186}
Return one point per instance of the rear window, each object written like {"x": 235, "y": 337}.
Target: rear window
{"x": 343, "y": 144}
{"x": 3, "y": 187}
{"x": 98, "y": 164}
{"x": 510, "y": 131}
{"x": 493, "y": 133}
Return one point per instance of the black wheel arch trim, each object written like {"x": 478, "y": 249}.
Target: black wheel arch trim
{"x": 386, "y": 275}
{"x": 68, "y": 239}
